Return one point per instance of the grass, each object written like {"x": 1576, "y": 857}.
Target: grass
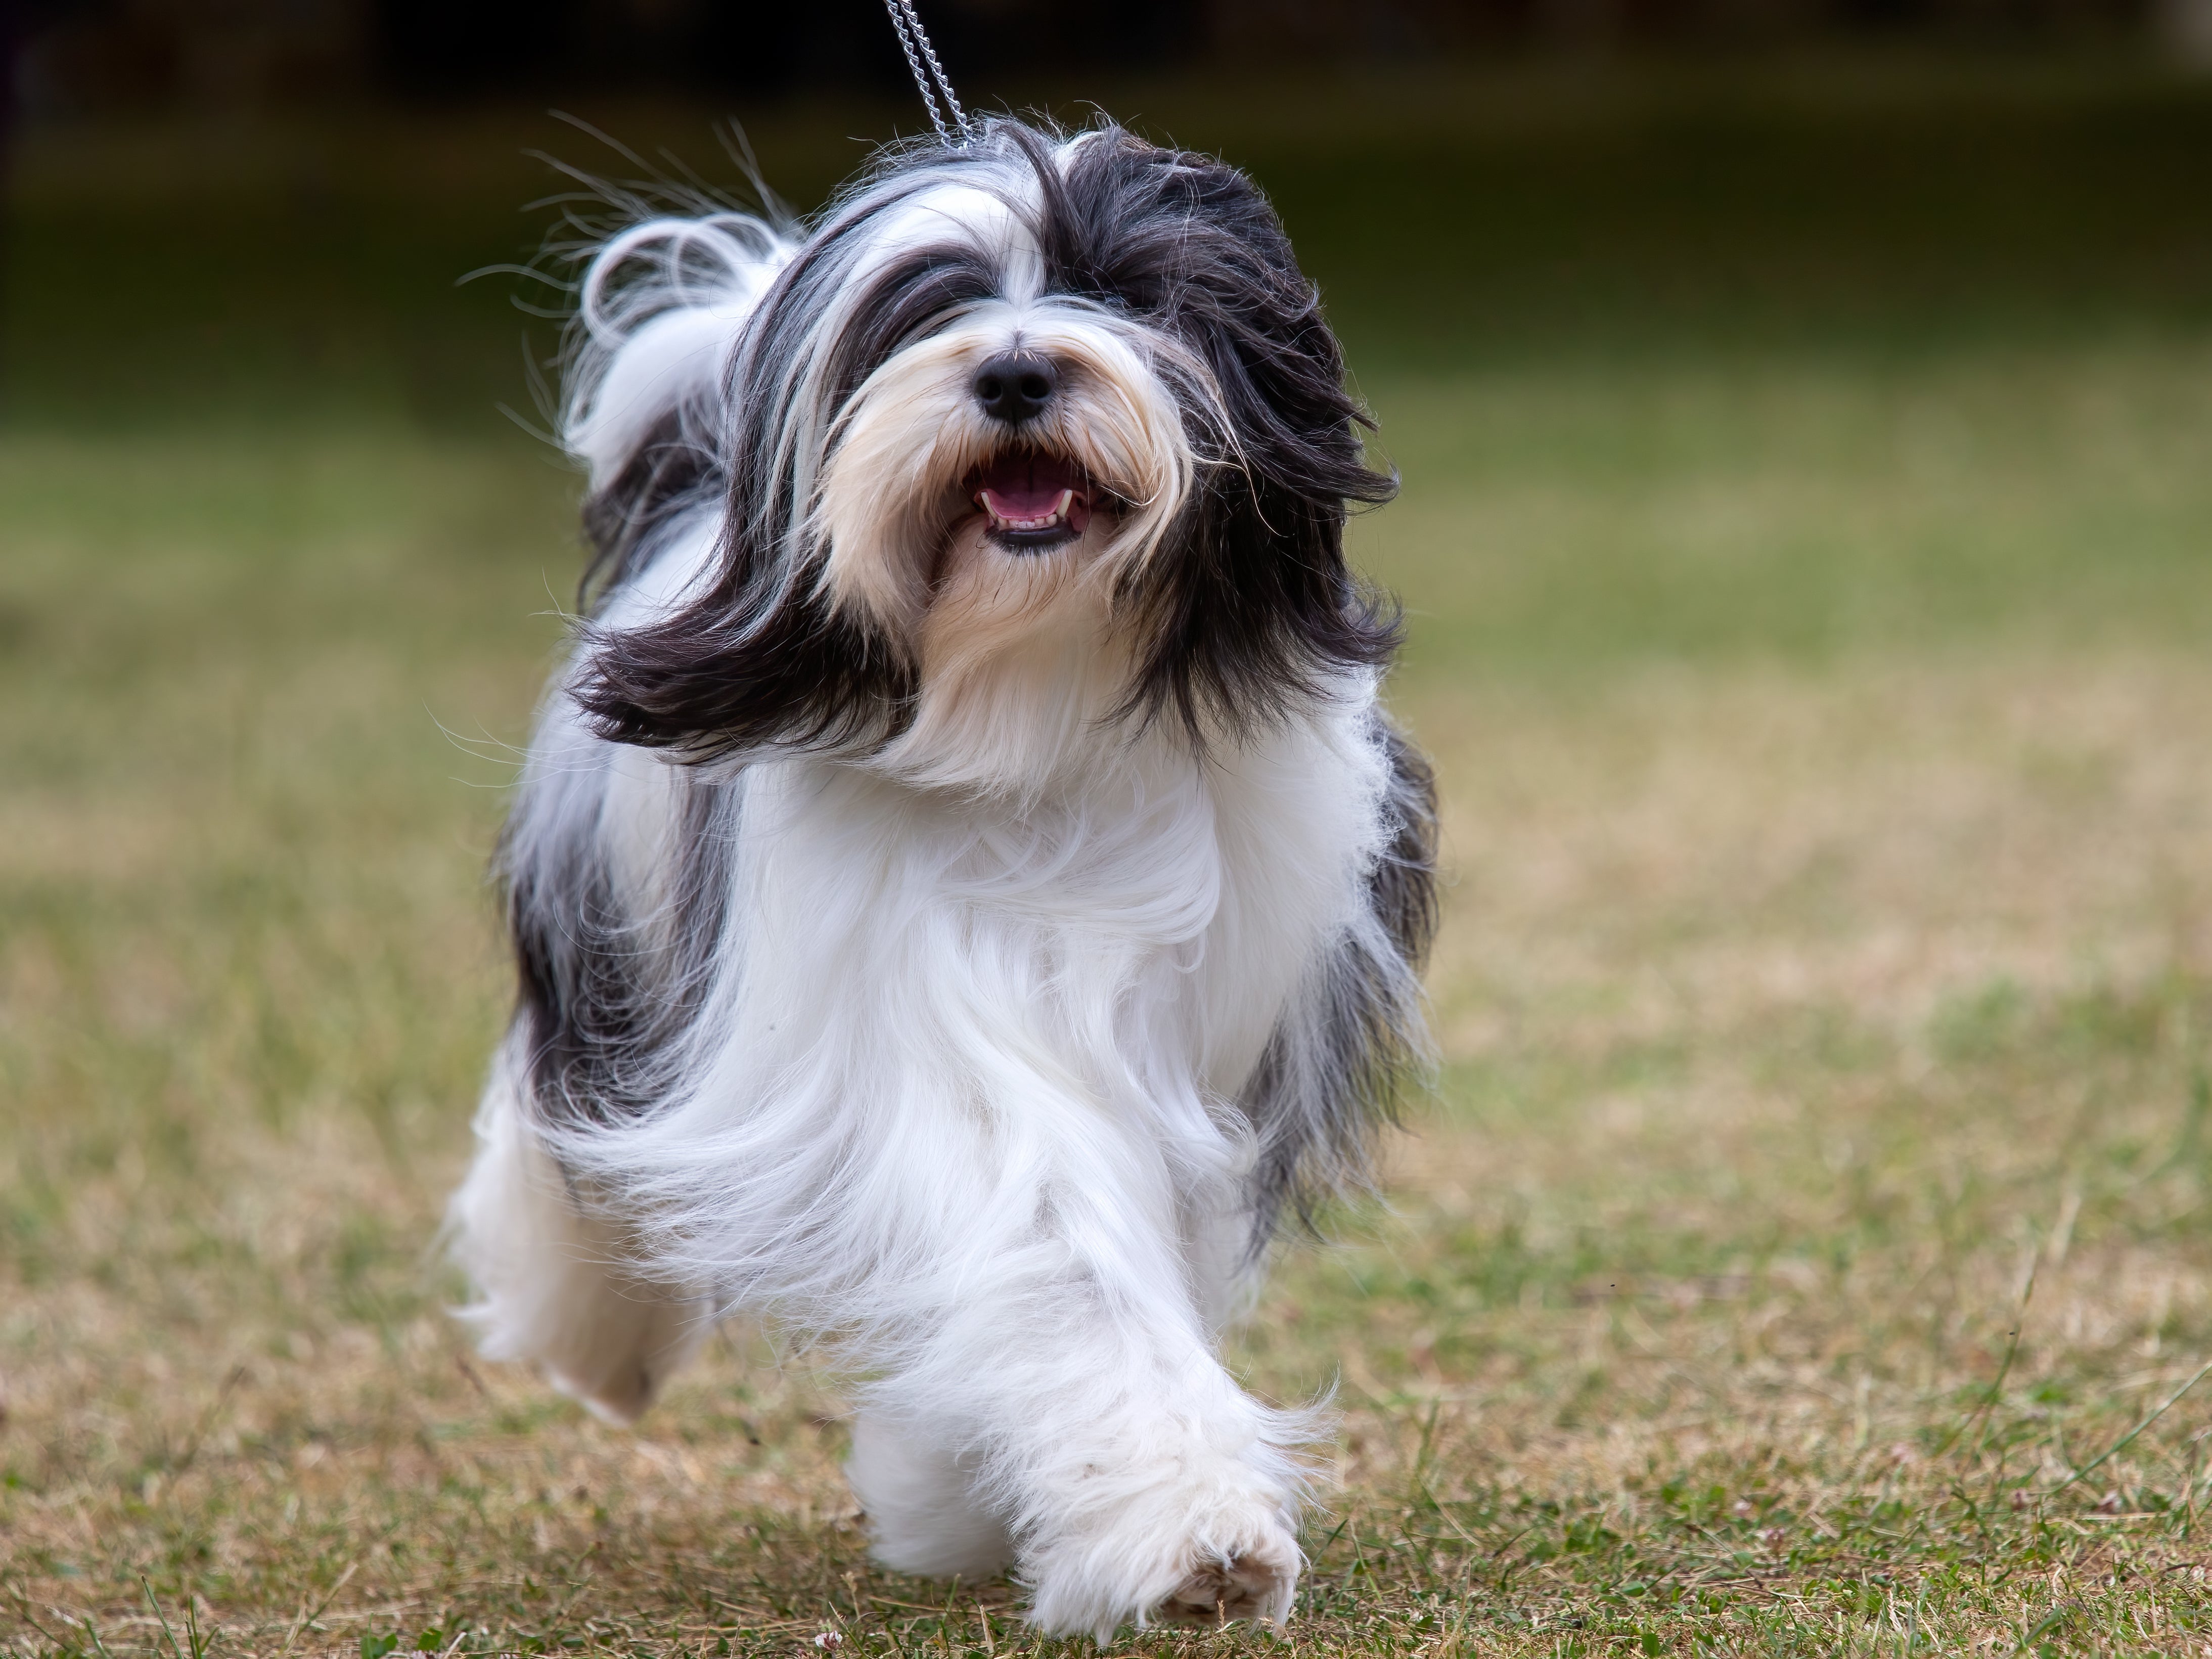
{"x": 1807, "y": 1248}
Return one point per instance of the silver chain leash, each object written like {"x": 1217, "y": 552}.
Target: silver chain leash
{"x": 932, "y": 82}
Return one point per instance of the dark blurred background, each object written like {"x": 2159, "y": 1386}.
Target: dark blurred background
{"x": 257, "y": 210}
{"x": 114, "y": 54}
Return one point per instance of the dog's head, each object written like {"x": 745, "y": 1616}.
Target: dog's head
{"x": 1029, "y": 441}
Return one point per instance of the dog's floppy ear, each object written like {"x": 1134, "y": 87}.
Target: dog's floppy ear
{"x": 756, "y": 656}
{"x": 752, "y": 662}
{"x": 1252, "y": 608}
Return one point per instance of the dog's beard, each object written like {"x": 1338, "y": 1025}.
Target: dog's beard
{"x": 989, "y": 553}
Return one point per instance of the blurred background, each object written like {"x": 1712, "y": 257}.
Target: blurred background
{"x": 75, "y": 57}
{"x": 1804, "y": 408}
{"x": 263, "y": 204}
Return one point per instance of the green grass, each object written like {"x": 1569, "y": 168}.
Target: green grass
{"x": 1809, "y": 478}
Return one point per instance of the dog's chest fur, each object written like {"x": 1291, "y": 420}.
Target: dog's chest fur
{"x": 1126, "y": 939}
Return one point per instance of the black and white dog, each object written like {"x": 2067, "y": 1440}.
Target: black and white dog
{"x": 965, "y": 890}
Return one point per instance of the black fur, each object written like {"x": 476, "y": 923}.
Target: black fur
{"x": 605, "y": 989}
{"x": 622, "y": 520}
{"x": 761, "y": 659}
{"x": 1402, "y": 891}
{"x": 1328, "y": 1083}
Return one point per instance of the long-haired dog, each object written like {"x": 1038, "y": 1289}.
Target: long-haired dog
{"x": 965, "y": 890}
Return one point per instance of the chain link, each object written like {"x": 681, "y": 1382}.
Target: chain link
{"x": 932, "y": 82}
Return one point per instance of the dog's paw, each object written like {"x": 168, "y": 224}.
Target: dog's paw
{"x": 1184, "y": 1552}
{"x": 1257, "y": 1582}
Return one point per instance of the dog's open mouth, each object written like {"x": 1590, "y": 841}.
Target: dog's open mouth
{"x": 1035, "y": 502}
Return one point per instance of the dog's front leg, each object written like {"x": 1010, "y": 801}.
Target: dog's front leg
{"x": 1155, "y": 1488}
{"x": 1070, "y": 1403}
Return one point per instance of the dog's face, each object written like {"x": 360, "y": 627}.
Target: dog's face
{"x": 1030, "y": 440}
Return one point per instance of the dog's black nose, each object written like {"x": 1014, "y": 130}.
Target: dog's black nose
{"x": 1015, "y": 387}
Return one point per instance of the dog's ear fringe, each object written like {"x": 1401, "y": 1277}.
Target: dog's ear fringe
{"x": 758, "y": 661}
{"x": 725, "y": 678}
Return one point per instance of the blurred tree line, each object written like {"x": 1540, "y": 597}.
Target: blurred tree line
{"x": 92, "y": 56}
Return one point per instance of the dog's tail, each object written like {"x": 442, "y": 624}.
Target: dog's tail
{"x": 659, "y": 313}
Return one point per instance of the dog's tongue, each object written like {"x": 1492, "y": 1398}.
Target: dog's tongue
{"x": 1031, "y": 486}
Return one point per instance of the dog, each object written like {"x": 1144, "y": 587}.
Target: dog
{"x": 968, "y": 897}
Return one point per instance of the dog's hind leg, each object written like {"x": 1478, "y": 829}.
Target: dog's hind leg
{"x": 925, "y": 1513}
{"x": 552, "y": 1285}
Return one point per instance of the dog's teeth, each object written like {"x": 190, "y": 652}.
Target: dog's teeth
{"x": 1058, "y": 516}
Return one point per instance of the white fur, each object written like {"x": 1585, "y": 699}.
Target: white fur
{"x": 555, "y": 1284}
{"x": 959, "y": 1099}
{"x": 659, "y": 308}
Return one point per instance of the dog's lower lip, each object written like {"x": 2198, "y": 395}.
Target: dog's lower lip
{"x": 1042, "y": 538}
